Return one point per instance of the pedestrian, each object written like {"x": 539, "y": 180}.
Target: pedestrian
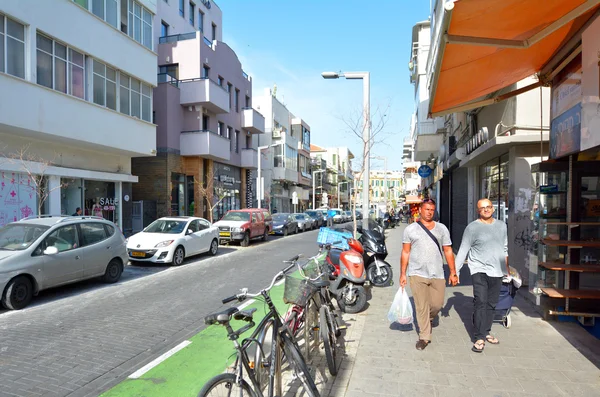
{"x": 422, "y": 261}
{"x": 330, "y": 214}
{"x": 77, "y": 212}
{"x": 485, "y": 246}
{"x": 275, "y": 210}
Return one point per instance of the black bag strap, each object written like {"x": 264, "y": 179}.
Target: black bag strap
{"x": 435, "y": 240}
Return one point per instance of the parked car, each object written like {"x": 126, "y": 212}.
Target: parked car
{"x": 358, "y": 215}
{"x": 172, "y": 239}
{"x": 37, "y": 253}
{"x": 339, "y": 215}
{"x": 348, "y": 216}
{"x": 305, "y": 222}
{"x": 243, "y": 225}
{"x": 284, "y": 224}
{"x": 317, "y": 216}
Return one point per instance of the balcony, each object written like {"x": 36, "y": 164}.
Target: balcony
{"x": 177, "y": 37}
{"x": 206, "y": 93}
{"x": 253, "y": 121}
{"x": 204, "y": 143}
{"x": 41, "y": 113}
{"x": 250, "y": 158}
{"x": 284, "y": 174}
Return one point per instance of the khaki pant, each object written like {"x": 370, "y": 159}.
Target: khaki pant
{"x": 428, "y": 294}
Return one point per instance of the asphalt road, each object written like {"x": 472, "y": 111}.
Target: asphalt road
{"x": 81, "y": 340}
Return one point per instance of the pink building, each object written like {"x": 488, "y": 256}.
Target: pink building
{"x": 204, "y": 116}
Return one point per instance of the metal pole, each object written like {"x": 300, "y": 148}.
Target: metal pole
{"x": 367, "y": 146}
{"x": 258, "y": 180}
{"x": 313, "y": 180}
{"x": 385, "y": 181}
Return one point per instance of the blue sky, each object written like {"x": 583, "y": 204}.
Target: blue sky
{"x": 289, "y": 43}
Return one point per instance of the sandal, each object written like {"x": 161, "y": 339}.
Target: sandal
{"x": 478, "y": 346}
{"x": 492, "y": 340}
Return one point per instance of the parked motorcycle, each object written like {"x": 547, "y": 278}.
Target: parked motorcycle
{"x": 379, "y": 272}
{"x": 349, "y": 276}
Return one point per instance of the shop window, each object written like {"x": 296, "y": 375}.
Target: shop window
{"x": 177, "y": 194}
{"x": 494, "y": 185}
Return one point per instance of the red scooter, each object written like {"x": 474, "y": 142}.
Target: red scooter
{"x": 349, "y": 276}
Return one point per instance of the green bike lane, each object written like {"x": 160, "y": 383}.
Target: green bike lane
{"x": 184, "y": 373}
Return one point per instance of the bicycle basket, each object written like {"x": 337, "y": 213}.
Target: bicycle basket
{"x": 297, "y": 291}
{"x": 314, "y": 270}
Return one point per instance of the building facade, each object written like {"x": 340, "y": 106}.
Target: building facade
{"x": 337, "y": 180}
{"x": 75, "y": 110}
{"x": 205, "y": 142}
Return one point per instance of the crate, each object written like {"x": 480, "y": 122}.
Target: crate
{"x": 328, "y": 236}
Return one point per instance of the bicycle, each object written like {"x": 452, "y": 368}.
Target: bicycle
{"x": 282, "y": 340}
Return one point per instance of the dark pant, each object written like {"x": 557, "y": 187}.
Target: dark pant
{"x": 486, "y": 291}
{"x": 329, "y": 222}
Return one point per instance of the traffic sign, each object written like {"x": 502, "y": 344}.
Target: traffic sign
{"x": 294, "y": 198}
{"x": 424, "y": 171}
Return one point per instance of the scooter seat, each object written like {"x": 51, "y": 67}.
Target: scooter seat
{"x": 220, "y": 317}
{"x": 334, "y": 256}
{"x": 320, "y": 283}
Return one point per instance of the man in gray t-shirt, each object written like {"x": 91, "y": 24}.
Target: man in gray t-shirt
{"x": 422, "y": 261}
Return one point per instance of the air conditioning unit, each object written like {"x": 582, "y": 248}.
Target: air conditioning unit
{"x": 277, "y": 133}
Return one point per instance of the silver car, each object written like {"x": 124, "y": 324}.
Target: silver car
{"x": 305, "y": 222}
{"x": 43, "y": 252}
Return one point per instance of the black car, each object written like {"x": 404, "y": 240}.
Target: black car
{"x": 316, "y": 215}
{"x": 284, "y": 224}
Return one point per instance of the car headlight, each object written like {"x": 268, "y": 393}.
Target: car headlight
{"x": 237, "y": 229}
{"x": 164, "y": 244}
{"x": 278, "y": 227}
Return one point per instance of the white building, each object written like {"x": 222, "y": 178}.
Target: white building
{"x": 76, "y": 79}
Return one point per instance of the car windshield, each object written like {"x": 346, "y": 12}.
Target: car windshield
{"x": 167, "y": 226}
{"x": 300, "y": 216}
{"x": 237, "y": 216}
{"x": 312, "y": 213}
{"x": 15, "y": 237}
{"x": 280, "y": 217}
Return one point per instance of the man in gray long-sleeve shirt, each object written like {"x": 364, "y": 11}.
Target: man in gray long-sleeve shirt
{"x": 485, "y": 243}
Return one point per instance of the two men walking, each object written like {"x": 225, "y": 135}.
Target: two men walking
{"x": 426, "y": 243}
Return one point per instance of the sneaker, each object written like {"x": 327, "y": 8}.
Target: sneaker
{"x": 422, "y": 344}
{"x": 435, "y": 321}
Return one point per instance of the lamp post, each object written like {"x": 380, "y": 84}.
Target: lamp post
{"x": 385, "y": 181}
{"x": 259, "y": 184}
{"x": 338, "y": 192}
{"x": 313, "y": 181}
{"x": 365, "y": 77}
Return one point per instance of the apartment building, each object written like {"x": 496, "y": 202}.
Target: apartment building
{"x": 76, "y": 105}
{"x": 285, "y": 161}
{"x": 206, "y": 127}
{"x": 337, "y": 180}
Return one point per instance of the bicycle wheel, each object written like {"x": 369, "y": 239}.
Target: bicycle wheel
{"x": 329, "y": 339}
{"x": 298, "y": 365}
{"x": 225, "y": 385}
{"x": 262, "y": 354}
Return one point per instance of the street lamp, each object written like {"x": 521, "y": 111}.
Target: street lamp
{"x": 260, "y": 186}
{"x": 338, "y": 192}
{"x": 365, "y": 77}
{"x": 313, "y": 181}
{"x": 385, "y": 181}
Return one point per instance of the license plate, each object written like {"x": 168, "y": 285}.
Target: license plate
{"x": 224, "y": 234}
{"x": 138, "y": 254}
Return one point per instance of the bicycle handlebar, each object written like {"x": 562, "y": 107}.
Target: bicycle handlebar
{"x": 245, "y": 294}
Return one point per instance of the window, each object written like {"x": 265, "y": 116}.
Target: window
{"x": 291, "y": 158}
{"x": 135, "y": 98}
{"x": 205, "y": 122}
{"x": 164, "y": 29}
{"x": 171, "y": 70}
{"x": 247, "y": 101}
{"x": 105, "y": 10}
{"x": 236, "y": 100}
{"x": 229, "y": 86}
{"x": 220, "y": 81}
{"x": 64, "y": 238}
{"x": 105, "y": 85}
{"x": 236, "y": 143}
{"x": 192, "y": 14}
{"x": 59, "y": 67}
{"x": 220, "y": 128}
{"x": 203, "y": 225}
{"x": 181, "y": 8}
{"x": 83, "y": 3}
{"x": 139, "y": 24}
{"x": 201, "y": 21}
{"x": 494, "y": 185}
{"x": 214, "y": 31}
{"x": 278, "y": 156}
{"x": 248, "y": 142}
{"x": 193, "y": 226}
{"x": 228, "y": 133}
{"x": 92, "y": 233}
{"x": 205, "y": 71}
{"x": 12, "y": 47}
{"x": 229, "y": 136}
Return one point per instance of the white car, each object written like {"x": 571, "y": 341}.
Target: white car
{"x": 172, "y": 239}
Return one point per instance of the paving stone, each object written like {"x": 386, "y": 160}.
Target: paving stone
{"x": 548, "y": 375}
{"x": 477, "y": 370}
{"x": 578, "y": 389}
{"x": 443, "y": 391}
{"x": 502, "y": 384}
{"x": 511, "y": 373}
{"x": 583, "y": 376}
{"x": 514, "y": 362}
{"x": 538, "y": 387}
{"x": 370, "y": 385}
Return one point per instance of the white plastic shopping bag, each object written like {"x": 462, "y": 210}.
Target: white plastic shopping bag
{"x": 401, "y": 311}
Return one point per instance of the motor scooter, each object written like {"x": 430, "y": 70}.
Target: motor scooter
{"x": 379, "y": 272}
{"x": 348, "y": 277}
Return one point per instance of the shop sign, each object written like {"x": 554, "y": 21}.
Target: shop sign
{"x": 566, "y": 94}
{"x": 565, "y": 133}
{"x": 108, "y": 203}
{"x": 226, "y": 179}
{"x": 424, "y": 171}
{"x": 593, "y": 208}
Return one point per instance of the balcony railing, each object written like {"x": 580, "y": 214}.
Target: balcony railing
{"x": 245, "y": 75}
{"x": 207, "y": 42}
{"x": 167, "y": 78}
{"x": 177, "y": 37}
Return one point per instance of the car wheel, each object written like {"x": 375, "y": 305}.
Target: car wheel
{"x": 113, "y": 272}
{"x": 18, "y": 294}
{"x": 214, "y": 247}
{"x": 266, "y": 234}
{"x": 246, "y": 240}
{"x": 285, "y": 232}
{"x": 178, "y": 256}
{"x": 296, "y": 230}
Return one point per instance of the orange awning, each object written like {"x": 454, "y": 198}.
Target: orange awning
{"x": 487, "y": 45}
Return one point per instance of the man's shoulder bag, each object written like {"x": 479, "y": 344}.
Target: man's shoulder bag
{"x": 435, "y": 240}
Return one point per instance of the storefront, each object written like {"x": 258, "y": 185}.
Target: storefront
{"x": 18, "y": 197}
{"x": 227, "y": 188}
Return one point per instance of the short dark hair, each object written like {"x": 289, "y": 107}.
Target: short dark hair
{"x": 427, "y": 201}
{"x": 77, "y": 209}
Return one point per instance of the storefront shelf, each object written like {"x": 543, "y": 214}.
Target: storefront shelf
{"x": 572, "y": 244}
{"x": 572, "y": 293}
{"x": 573, "y": 223}
{"x": 581, "y": 268}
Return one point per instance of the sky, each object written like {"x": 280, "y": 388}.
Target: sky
{"x": 290, "y": 42}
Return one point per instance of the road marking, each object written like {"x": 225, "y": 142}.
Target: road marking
{"x": 158, "y": 360}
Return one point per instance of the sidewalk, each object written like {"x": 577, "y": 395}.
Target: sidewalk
{"x": 534, "y": 357}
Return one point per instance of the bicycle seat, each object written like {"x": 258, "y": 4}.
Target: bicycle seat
{"x": 244, "y": 315}
{"x": 320, "y": 283}
{"x": 220, "y": 317}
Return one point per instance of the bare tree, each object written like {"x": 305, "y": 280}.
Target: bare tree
{"x": 355, "y": 126}
{"x": 212, "y": 192}
{"x": 36, "y": 168}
